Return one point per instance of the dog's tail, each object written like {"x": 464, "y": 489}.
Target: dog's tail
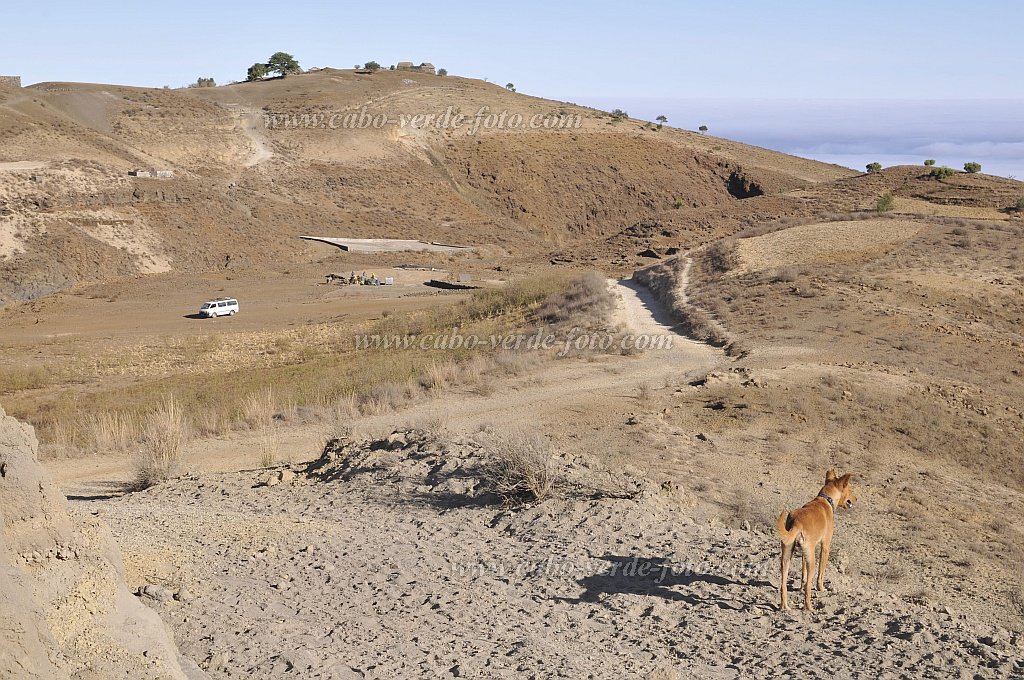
{"x": 787, "y": 534}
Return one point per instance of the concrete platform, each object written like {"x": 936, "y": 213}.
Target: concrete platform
{"x": 385, "y": 245}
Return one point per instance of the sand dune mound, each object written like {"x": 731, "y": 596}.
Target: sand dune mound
{"x": 64, "y": 609}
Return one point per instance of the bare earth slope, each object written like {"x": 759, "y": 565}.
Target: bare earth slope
{"x": 64, "y": 609}
{"x": 257, "y": 164}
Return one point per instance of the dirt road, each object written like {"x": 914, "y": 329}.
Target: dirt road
{"x": 566, "y": 393}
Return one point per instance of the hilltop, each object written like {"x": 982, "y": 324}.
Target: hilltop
{"x": 246, "y": 181}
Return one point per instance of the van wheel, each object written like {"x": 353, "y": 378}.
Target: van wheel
{"x": 231, "y": 313}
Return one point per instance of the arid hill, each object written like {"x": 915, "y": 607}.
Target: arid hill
{"x": 256, "y": 164}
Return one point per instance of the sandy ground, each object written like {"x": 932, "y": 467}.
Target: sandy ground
{"x": 393, "y": 563}
{"x": 167, "y": 305}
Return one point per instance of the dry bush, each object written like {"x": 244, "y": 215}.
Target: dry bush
{"x": 383, "y": 397}
{"x": 722, "y": 256}
{"x": 586, "y": 302}
{"x": 258, "y": 408}
{"x": 164, "y": 435}
{"x": 439, "y": 375}
{"x": 514, "y": 363}
{"x": 16, "y": 379}
{"x": 644, "y": 393}
{"x": 522, "y": 468}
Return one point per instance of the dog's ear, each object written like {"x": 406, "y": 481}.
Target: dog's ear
{"x": 831, "y": 475}
{"x": 845, "y": 479}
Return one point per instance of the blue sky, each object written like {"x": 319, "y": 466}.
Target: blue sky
{"x": 587, "y": 52}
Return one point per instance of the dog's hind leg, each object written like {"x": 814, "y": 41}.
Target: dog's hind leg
{"x": 787, "y": 554}
{"x": 822, "y": 564}
{"x": 808, "y": 576}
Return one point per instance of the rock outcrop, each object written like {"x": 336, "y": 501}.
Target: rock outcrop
{"x": 65, "y": 611}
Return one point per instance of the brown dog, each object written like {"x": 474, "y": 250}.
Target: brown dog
{"x": 809, "y": 526}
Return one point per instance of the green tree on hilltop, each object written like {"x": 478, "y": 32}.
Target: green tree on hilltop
{"x": 282, "y": 63}
{"x": 256, "y": 72}
{"x": 874, "y": 167}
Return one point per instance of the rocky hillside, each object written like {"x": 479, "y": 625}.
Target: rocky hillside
{"x": 256, "y": 164}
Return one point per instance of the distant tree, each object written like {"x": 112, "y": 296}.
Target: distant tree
{"x": 884, "y": 203}
{"x": 702, "y": 129}
{"x": 874, "y": 167}
{"x": 661, "y": 121}
{"x": 510, "y": 87}
{"x": 972, "y": 167}
{"x": 442, "y": 71}
{"x": 256, "y": 72}
{"x": 371, "y": 66}
{"x": 282, "y": 63}
{"x": 204, "y": 82}
{"x": 930, "y": 162}
{"x": 942, "y": 173}
{"x": 619, "y": 113}
{"x": 391, "y": 68}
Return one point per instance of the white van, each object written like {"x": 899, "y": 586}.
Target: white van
{"x": 219, "y": 307}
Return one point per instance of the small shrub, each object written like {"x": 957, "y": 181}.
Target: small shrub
{"x": 1019, "y": 205}
{"x": 643, "y": 393}
{"x": 942, "y": 173}
{"x": 885, "y": 202}
{"x": 677, "y": 204}
{"x": 930, "y": 162}
{"x": 164, "y": 436}
{"x": 874, "y": 167}
{"x": 972, "y": 167}
{"x": 522, "y": 468}
{"x": 440, "y": 72}
{"x": 722, "y": 256}
{"x": 618, "y": 114}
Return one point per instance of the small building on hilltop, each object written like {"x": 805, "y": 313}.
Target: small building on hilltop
{"x": 425, "y": 67}
{"x": 10, "y": 81}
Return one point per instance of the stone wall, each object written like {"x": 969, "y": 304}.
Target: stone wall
{"x": 10, "y": 81}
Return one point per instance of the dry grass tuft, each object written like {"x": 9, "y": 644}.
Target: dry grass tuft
{"x": 164, "y": 435}
{"x": 258, "y": 408}
{"x": 522, "y": 468}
